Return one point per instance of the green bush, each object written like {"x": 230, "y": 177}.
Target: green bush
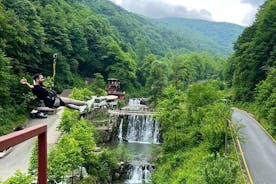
{"x": 101, "y": 165}
{"x": 19, "y": 178}
{"x": 219, "y": 169}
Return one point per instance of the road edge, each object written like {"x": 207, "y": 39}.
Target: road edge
{"x": 247, "y": 114}
{"x": 244, "y": 162}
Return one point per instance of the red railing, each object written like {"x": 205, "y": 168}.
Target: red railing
{"x": 15, "y": 138}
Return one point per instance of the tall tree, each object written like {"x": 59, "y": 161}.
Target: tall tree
{"x": 255, "y": 52}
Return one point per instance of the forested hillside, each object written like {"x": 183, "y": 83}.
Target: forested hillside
{"x": 146, "y": 35}
{"x": 251, "y": 69}
{"x": 224, "y": 34}
{"x": 193, "y": 126}
{"x": 90, "y": 37}
{"x": 31, "y": 31}
{"x": 179, "y": 67}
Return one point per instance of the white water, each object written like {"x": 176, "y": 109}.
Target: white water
{"x": 142, "y": 129}
{"x": 134, "y": 102}
{"x": 139, "y": 173}
{"x": 120, "y": 134}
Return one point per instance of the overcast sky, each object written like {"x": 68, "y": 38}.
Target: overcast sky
{"x": 240, "y": 12}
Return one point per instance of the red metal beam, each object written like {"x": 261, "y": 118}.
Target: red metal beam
{"x": 15, "y": 138}
{"x": 42, "y": 158}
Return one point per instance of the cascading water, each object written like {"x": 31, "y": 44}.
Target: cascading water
{"x": 139, "y": 131}
{"x": 134, "y": 102}
{"x": 142, "y": 129}
{"x": 139, "y": 173}
{"x": 120, "y": 134}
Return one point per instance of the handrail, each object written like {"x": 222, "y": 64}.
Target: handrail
{"x": 15, "y": 138}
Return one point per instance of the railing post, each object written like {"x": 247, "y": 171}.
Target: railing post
{"x": 42, "y": 158}
{"x": 12, "y": 139}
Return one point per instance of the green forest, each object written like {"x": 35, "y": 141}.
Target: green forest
{"x": 193, "y": 76}
{"x": 87, "y": 42}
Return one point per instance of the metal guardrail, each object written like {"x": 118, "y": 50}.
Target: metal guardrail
{"x": 15, "y": 138}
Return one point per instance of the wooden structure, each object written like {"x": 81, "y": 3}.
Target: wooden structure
{"x": 15, "y": 138}
{"x": 113, "y": 88}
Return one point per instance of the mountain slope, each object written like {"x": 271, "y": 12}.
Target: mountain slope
{"x": 222, "y": 33}
{"x": 160, "y": 36}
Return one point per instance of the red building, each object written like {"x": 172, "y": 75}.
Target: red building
{"x": 113, "y": 88}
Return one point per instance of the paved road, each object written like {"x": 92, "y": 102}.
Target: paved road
{"x": 259, "y": 149}
{"x": 20, "y": 155}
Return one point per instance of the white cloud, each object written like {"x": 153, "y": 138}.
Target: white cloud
{"x": 161, "y": 8}
{"x": 235, "y": 11}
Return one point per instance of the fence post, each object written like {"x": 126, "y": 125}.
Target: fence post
{"x": 12, "y": 139}
{"x": 42, "y": 158}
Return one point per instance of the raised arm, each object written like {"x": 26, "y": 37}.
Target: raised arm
{"x": 25, "y": 82}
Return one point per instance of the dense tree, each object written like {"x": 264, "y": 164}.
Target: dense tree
{"x": 161, "y": 37}
{"x": 98, "y": 85}
{"x": 193, "y": 126}
{"x": 254, "y": 53}
{"x": 144, "y": 69}
{"x": 220, "y": 169}
{"x": 5, "y": 77}
{"x": 158, "y": 78}
{"x": 86, "y": 41}
{"x": 265, "y": 100}
{"x": 57, "y": 168}
{"x": 101, "y": 165}
{"x": 82, "y": 132}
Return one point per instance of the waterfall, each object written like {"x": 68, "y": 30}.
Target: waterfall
{"x": 120, "y": 134}
{"x": 139, "y": 173}
{"x": 139, "y": 128}
{"x": 142, "y": 129}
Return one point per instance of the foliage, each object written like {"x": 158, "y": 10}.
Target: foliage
{"x": 98, "y": 85}
{"x": 146, "y": 36}
{"x": 31, "y": 31}
{"x": 255, "y": 52}
{"x": 75, "y": 149}
{"x": 265, "y": 100}
{"x": 83, "y": 94}
{"x": 157, "y": 79}
{"x": 33, "y": 165}
{"x": 122, "y": 153}
{"x": 68, "y": 119}
{"x": 83, "y": 133}
{"x": 70, "y": 147}
{"x": 57, "y": 167}
{"x": 100, "y": 165}
{"x": 19, "y": 178}
{"x": 221, "y": 36}
{"x": 193, "y": 125}
{"x": 64, "y": 157}
{"x": 180, "y": 70}
{"x": 89, "y": 37}
{"x": 251, "y": 69}
{"x": 8, "y": 104}
{"x": 220, "y": 170}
